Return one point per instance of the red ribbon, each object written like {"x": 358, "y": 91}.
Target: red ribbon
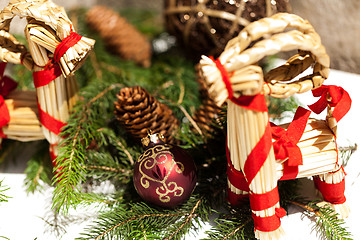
{"x": 255, "y": 103}
{"x": 65, "y": 44}
{"x": 285, "y": 145}
{"x": 332, "y": 193}
{"x": 4, "y": 116}
{"x": 49, "y": 122}
{"x": 44, "y": 77}
{"x": 236, "y": 200}
{"x": 258, "y": 155}
{"x": 264, "y": 201}
{"x": 334, "y": 96}
{"x": 271, "y": 223}
{"x": 6, "y": 86}
{"x": 254, "y": 161}
{"x": 235, "y": 177}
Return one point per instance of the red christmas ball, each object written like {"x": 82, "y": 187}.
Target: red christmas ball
{"x": 164, "y": 175}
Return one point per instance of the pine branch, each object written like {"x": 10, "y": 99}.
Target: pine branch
{"x": 3, "y": 197}
{"x": 141, "y": 221}
{"x": 233, "y": 226}
{"x": 346, "y": 153}
{"x": 187, "y": 221}
{"x": 234, "y": 231}
{"x": 138, "y": 217}
{"x": 80, "y": 131}
{"x": 38, "y": 170}
{"x": 328, "y": 223}
{"x": 108, "y": 169}
{"x": 279, "y": 107}
{"x": 103, "y": 166}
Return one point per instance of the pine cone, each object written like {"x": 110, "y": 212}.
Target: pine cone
{"x": 140, "y": 112}
{"x": 203, "y": 88}
{"x": 206, "y": 115}
{"x": 120, "y": 37}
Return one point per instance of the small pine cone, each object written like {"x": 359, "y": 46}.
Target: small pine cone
{"x": 203, "y": 88}
{"x": 206, "y": 116}
{"x": 119, "y": 35}
{"x": 140, "y": 112}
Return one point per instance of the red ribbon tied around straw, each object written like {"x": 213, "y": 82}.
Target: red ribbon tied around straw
{"x": 334, "y": 96}
{"x": 255, "y": 103}
{"x": 286, "y": 140}
{"x": 6, "y": 86}
{"x": 65, "y": 44}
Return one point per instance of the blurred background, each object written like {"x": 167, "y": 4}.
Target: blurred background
{"x": 337, "y": 22}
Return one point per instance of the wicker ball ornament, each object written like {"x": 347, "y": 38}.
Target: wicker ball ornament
{"x": 205, "y": 26}
{"x": 164, "y": 175}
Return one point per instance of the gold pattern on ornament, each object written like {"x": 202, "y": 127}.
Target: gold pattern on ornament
{"x": 159, "y": 154}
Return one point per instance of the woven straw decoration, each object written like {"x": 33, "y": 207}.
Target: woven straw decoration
{"x": 246, "y": 126}
{"x": 24, "y": 124}
{"x": 48, "y": 25}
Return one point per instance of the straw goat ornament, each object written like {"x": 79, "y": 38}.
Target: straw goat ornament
{"x": 261, "y": 153}
{"x": 55, "y": 52}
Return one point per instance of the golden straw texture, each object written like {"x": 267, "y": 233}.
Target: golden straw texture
{"x": 24, "y": 124}
{"x": 46, "y": 13}
{"x": 269, "y": 36}
{"x": 318, "y": 149}
{"x": 48, "y": 25}
{"x": 281, "y": 32}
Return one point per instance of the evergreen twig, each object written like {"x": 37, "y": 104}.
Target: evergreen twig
{"x": 110, "y": 169}
{"x": 148, "y": 222}
{"x": 38, "y": 169}
{"x": 3, "y": 197}
{"x": 131, "y": 160}
{"x": 138, "y": 217}
{"x": 187, "y": 220}
{"x": 328, "y": 223}
{"x": 233, "y": 232}
{"x": 79, "y": 132}
{"x": 346, "y": 153}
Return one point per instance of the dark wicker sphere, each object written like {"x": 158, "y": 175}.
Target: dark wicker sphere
{"x": 205, "y": 26}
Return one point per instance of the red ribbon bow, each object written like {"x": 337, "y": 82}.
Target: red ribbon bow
{"x": 285, "y": 145}
{"x": 6, "y": 86}
{"x": 334, "y": 96}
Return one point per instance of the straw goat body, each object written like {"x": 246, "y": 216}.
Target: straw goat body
{"x": 235, "y": 76}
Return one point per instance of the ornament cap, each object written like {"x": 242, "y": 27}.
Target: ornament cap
{"x": 152, "y": 139}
